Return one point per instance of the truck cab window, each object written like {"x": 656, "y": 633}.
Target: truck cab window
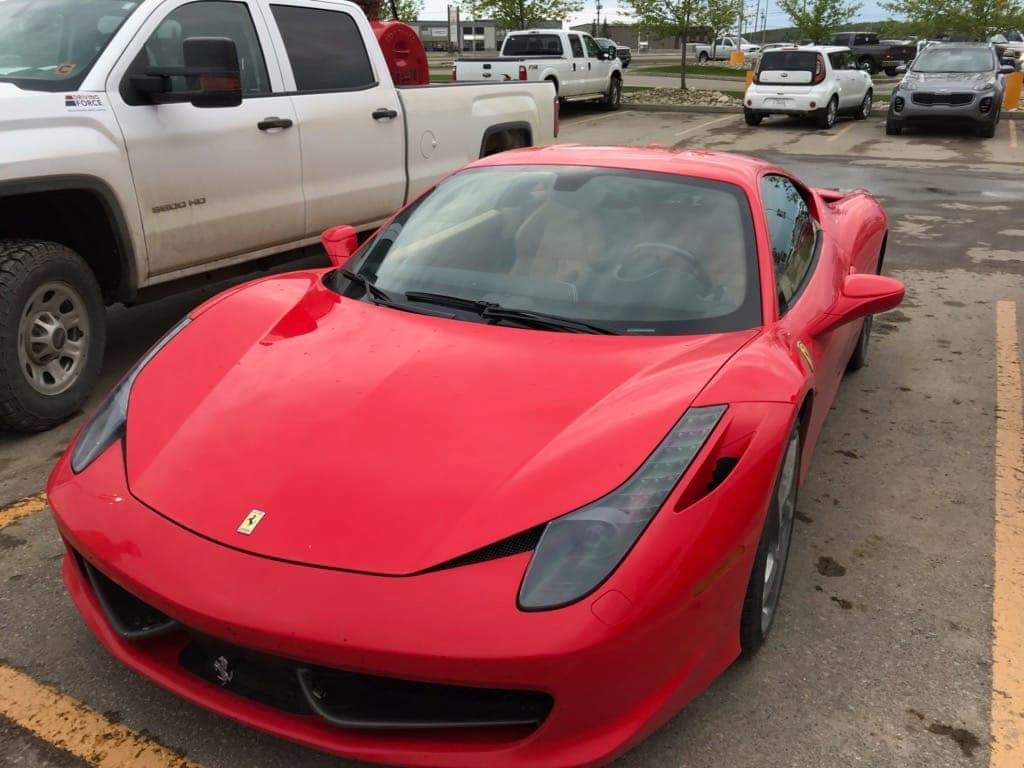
{"x": 209, "y": 18}
{"x": 593, "y": 51}
{"x": 325, "y": 49}
{"x": 577, "y": 46}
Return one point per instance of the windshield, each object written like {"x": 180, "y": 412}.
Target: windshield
{"x": 51, "y": 44}
{"x": 533, "y": 45}
{"x": 636, "y": 253}
{"x": 954, "y": 60}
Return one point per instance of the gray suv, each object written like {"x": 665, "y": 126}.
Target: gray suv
{"x": 950, "y": 83}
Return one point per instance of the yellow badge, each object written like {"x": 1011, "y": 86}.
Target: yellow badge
{"x": 805, "y": 353}
{"x": 251, "y": 521}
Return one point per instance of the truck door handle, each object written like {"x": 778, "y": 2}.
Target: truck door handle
{"x": 269, "y": 123}
{"x": 383, "y": 113}
{"x": 574, "y": 66}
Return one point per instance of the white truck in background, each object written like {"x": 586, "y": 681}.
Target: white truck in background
{"x": 572, "y": 62}
{"x": 150, "y": 143}
{"x": 722, "y": 48}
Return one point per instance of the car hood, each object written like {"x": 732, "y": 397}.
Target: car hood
{"x": 387, "y": 442}
{"x": 950, "y": 80}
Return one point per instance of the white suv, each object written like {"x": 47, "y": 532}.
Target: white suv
{"x": 819, "y": 81}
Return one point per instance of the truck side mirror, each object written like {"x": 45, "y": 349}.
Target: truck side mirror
{"x": 211, "y": 75}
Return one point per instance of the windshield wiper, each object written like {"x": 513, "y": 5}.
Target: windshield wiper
{"x": 543, "y": 320}
{"x": 377, "y": 293}
{"x": 456, "y": 302}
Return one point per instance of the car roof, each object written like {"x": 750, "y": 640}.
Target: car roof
{"x": 816, "y": 48}
{"x": 740, "y": 170}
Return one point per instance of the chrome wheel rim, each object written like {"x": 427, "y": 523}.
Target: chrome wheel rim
{"x": 616, "y": 92}
{"x": 778, "y": 545}
{"x": 53, "y": 338}
{"x": 866, "y": 106}
{"x": 831, "y": 112}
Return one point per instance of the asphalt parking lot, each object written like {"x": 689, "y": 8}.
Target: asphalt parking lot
{"x": 895, "y": 602}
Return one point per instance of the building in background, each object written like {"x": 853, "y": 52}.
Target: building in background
{"x": 476, "y": 35}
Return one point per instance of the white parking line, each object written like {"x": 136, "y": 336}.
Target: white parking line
{"x": 705, "y": 125}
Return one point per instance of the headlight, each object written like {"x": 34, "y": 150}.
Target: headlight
{"x": 988, "y": 85}
{"x": 907, "y": 85}
{"x": 108, "y": 424}
{"x": 578, "y": 551}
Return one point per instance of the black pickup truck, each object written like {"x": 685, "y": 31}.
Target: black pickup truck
{"x": 873, "y": 56}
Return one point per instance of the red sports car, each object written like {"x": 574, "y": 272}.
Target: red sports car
{"x": 508, "y": 485}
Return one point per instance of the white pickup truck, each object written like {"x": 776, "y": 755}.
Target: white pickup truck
{"x": 723, "y": 47}
{"x": 149, "y": 143}
{"x": 571, "y": 61}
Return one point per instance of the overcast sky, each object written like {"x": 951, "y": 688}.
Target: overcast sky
{"x": 437, "y": 9}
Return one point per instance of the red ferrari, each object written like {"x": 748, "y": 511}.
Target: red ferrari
{"x": 508, "y": 485}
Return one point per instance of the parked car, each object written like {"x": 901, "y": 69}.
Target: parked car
{"x": 509, "y": 486}
{"x": 1010, "y": 45}
{"x": 572, "y": 62}
{"x": 624, "y": 54}
{"x": 123, "y": 178}
{"x": 820, "y": 82}
{"x": 722, "y": 48}
{"x": 872, "y": 55}
{"x": 950, "y": 84}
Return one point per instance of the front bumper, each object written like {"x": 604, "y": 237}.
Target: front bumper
{"x": 612, "y": 667}
{"x": 983, "y": 107}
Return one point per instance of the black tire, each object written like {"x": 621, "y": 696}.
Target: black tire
{"x": 864, "y": 110}
{"x": 890, "y": 71}
{"x": 613, "y": 98}
{"x": 988, "y": 130}
{"x": 826, "y": 116}
{"x": 859, "y": 357}
{"x": 27, "y": 267}
{"x": 703, "y": 58}
{"x": 892, "y": 127}
{"x": 753, "y": 630}
{"x": 867, "y": 65}
{"x": 752, "y": 117}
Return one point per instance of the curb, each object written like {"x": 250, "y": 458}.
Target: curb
{"x": 710, "y": 110}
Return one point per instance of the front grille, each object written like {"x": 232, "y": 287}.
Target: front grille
{"x": 949, "y": 99}
{"x": 343, "y": 698}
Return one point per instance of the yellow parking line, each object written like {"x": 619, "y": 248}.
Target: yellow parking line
{"x": 20, "y": 509}
{"x": 705, "y": 125}
{"x": 74, "y": 727}
{"x": 840, "y": 132}
{"x": 1008, "y": 584}
{"x": 1013, "y": 133}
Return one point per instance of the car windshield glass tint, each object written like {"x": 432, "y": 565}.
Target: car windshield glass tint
{"x": 954, "y": 60}
{"x": 51, "y": 44}
{"x": 533, "y": 45}
{"x": 789, "y": 61}
{"x": 640, "y": 253}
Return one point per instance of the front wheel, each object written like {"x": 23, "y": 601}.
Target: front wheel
{"x": 890, "y": 71}
{"x": 52, "y": 333}
{"x": 764, "y": 590}
{"x": 866, "y": 65}
{"x": 613, "y": 98}
{"x": 752, "y": 117}
{"x": 988, "y": 130}
{"x": 703, "y": 58}
{"x": 864, "y": 111}
{"x": 892, "y": 127}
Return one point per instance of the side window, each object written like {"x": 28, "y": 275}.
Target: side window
{"x": 577, "y": 46}
{"x": 839, "y": 59}
{"x": 325, "y": 49}
{"x": 592, "y": 50}
{"x": 208, "y": 18}
{"x": 727, "y": 42}
{"x": 860, "y": 40}
{"x": 792, "y": 232}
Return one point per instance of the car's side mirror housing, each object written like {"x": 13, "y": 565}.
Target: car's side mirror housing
{"x": 211, "y": 72}
{"x": 340, "y": 243}
{"x": 861, "y": 295}
{"x": 1007, "y": 67}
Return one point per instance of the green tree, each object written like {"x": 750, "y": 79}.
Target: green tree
{"x": 818, "y": 19}
{"x": 403, "y": 10}
{"x": 521, "y": 14}
{"x": 721, "y": 15}
{"x": 670, "y": 17}
{"x": 978, "y": 19}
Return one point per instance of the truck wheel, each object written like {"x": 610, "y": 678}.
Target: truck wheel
{"x": 613, "y": 98}
{"x": 890, "y": 71}
{"x": 52, "y": 333}
{"x": 703, "y": 57}
{"x": 867, "y": 65}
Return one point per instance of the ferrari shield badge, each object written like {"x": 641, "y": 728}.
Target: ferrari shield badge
{"x": 251, "y": 521}
{"x": 804, "y": 352}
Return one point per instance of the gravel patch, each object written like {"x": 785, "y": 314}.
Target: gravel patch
{"x": 678, "y": 97}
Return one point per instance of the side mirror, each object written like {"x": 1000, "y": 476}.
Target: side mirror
{"x": 901, "y": 69}
{"x": 861, "y": 295}
{"x": 340, "y": 243}
{"x": 1006, "y": 68}
{"x": 211, "y": 75}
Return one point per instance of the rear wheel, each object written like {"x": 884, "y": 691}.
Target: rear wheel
{"x": 867, "y": 65}
{"x": 764, "y": 590}
{"x": 752, "y": 117}
{"x": 52, "y": 333}
{"x": 703, "y": 58}
{"x": 826, "y": 117}
{"x": 864, "y": 111}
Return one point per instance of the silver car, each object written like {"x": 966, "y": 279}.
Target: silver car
{"x": 950, "y": 83}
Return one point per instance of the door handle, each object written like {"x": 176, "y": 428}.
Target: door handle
{"x": 269, "y": 123}
{"x": 574, "y": 66}
{"x": 383, "y": 113}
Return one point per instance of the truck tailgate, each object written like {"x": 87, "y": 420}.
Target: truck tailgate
{"x": 487, "y": 70}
